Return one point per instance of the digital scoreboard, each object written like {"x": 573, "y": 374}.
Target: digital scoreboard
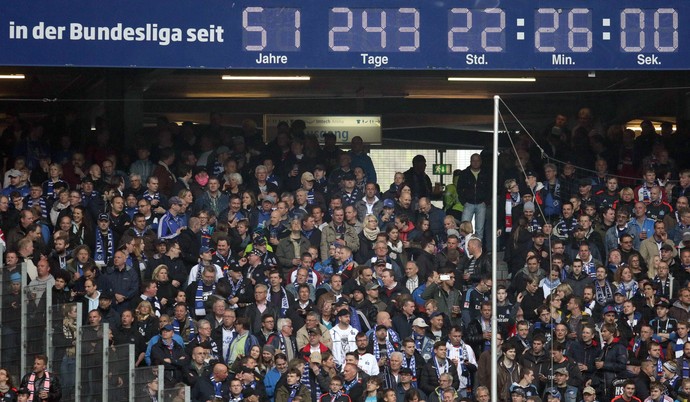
{"x": 348, "y": 34}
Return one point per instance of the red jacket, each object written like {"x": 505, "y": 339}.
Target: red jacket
{"x": 306, "y": 351}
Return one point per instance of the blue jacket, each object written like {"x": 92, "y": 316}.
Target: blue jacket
{"x": 611, "y": 240}
{"x": 271, "y": 381}
{"x": 125, "y": 282}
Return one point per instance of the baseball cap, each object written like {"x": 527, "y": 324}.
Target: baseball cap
{"x": 372, "y": 285}
{"x": 206, "y": 249}
{"x": 405, "y": 371}
{"x": 86, "y": 179}
{"x": 518, "y": 391}
{"x": 663, "y": 303}
{"x": 317, "y": 330}
{"x": 348, "y": 176}
{"x": 269, "y": 198}
{"x": 609, "y": 309}
{"x": 538, "y": 233}
{"x": 380, "y": 261}
{"x": 388, "y": 203}
{"x": 106, "y": 294}
{"x": 589, "y": 391}
{"x": 103, "y": 217}
{"x": 561, "y": 370}
{"x": 552, "y": 392}
{"x": 307, "y": 176}
{"x": 358, "y": 288}
{"x": 419, "y": 322}
{"x": 235, "y": 267}
{"x": 530, "y": 173}
{"x": 584, "y": 182}
{"x": 14, "y": 173}
{"x": 343, "y": 312}
{"x": 176, "y": 200}
{"x": 168, "y": 327}
{"x": 435, "y": 314}
{"x": 246, "y": 369}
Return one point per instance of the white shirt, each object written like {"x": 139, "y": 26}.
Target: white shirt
{"x": 462, "y": 353}
{"x": 195, "y": 273}
{"x": 344, "y": 341}
{"x": 368, "y": 364}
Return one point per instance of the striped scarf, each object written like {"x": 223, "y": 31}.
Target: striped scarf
{"x": 200, "y": 299}
{"x": 389, "y": 346}
{"x": 104, "y": 252}
{"x": 510, "y": 203}
{"x": 411, "y": 364}
{"x": 40, "y": 202}
{"x": 31, "y": 386}
{"x": 306, "y": 380}
{"x": 49, "y": 187}
{"x": 284, "y": 303}
{"x": 217, "y": 388}
{"x": 150, "y": 197}
{"x": 189, "y": 327}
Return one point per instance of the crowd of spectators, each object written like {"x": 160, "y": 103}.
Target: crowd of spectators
{"x": 282, "y": 271}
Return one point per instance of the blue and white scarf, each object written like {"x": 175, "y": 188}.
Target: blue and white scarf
{"x": 40, "y": 202}
{"x": 412, "y": 365}
{"x": 629, "y": 289}
{"x": 446, "y": 367}
{"x": 283, "y": 344}
{"x": 104, "y": 252}
{"x": 348, "y": 385}
{"x": 150, "y": 197}
{"x": 293, "y": 391}
{"x": 199, "y": 298}
{"x": 189, "y": 326}
{"x": 49, "y": 187}
{"x": 284, "y": 303}
{"x": 234, "y": 287}
{"x": 306, "y": 380}
{"x": 217, "y": 388}
{"x": 389, "y": 347}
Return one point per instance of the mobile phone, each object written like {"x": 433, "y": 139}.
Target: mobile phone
{"x": 445, "y": 277}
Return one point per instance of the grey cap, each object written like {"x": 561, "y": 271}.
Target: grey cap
{"x": 529, "y": 206}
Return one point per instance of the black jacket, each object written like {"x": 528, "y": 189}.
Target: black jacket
{"x": 177, "y": 356}
{"x": 474, "y": 190}
{"x": 429, "y": 379}
{"x": 205, "y": 391}
{"x": 614, "y": 356}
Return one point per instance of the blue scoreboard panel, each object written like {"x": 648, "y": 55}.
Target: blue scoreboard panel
{"x": 348, "y": 34}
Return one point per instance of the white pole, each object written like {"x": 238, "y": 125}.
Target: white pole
{"x": 494, "y": 264}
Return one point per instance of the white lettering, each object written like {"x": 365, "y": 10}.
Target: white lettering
{"x": 376, "y": 61}
{"x": 648, "y": 60}
{"x": 271, "y": 59}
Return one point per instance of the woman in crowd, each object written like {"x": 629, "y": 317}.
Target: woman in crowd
{"x": 146, "y": 320}
{"x": 166, "y": 290}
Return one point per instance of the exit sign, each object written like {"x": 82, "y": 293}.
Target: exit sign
{"x": 443, "y": 169}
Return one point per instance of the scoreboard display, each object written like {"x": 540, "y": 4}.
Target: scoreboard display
{"x": 348, "y": 34}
